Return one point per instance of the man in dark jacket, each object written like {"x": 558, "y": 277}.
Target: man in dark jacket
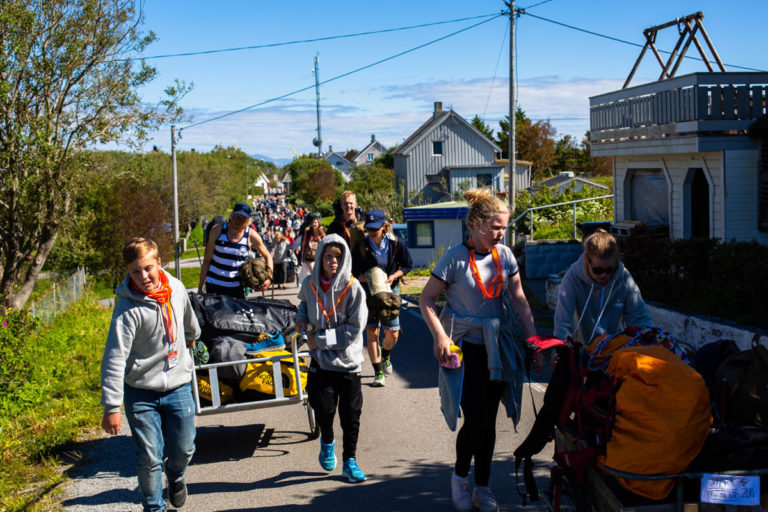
{"x": 345, "y": 223}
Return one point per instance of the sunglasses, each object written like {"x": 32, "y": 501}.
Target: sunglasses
{"x": 598, "y": 271}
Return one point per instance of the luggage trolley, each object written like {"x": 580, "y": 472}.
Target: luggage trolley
{"x": 217, "y": 407}
{"x": 228, "y": 315}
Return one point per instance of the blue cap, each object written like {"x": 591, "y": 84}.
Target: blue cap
{"x": 374, "y": 219}
{"x": 242, "y": 209}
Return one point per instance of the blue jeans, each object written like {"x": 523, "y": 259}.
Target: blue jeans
{"x": 162, "y": 425}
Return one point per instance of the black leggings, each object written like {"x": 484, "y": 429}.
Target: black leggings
{"x": 479, "y": 404}
{"x": 327, "y": 390}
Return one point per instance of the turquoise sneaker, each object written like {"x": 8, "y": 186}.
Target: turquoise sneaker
{"x": 327, "y": 456}
{"x": 351, "y": 472}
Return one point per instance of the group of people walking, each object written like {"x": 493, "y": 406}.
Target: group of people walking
{"x": 147, "y": 367}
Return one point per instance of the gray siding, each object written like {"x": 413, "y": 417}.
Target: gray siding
{"x": 457, "y": 176}
{"x": 461, "y": 147}
{"x": 741, "y": 196}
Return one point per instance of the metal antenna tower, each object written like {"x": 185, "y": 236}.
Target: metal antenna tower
{"x": 318, "y": 141}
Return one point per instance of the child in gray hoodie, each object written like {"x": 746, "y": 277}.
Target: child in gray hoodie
{"x": 147, "y": 366}
{"x": 333, "y": 313}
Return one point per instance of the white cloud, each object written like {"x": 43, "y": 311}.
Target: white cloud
{"x": 390, "y": 112}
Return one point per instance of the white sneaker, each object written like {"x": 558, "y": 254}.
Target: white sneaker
{"x": 483, "y": 499}
{"x": 460, "y": 493}
{"x": 379, "y": 381}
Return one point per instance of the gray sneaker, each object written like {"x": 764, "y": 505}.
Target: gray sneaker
{"x": 461, "y": 494}
{"x": 483, "y": 500}
{"x": 388, "y": 366}
{"x": 379, "y": 381}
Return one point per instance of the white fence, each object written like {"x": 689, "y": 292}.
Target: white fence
{"x": 60, "y": 297}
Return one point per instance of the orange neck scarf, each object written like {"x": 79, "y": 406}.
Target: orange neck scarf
{"x": 162, "y": 294}
{"x": 494, "y": 287}
{"x": 327, "y": 314}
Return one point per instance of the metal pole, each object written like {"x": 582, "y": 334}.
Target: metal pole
{"x": 319, "y": 140}
{"x": 177, "y": 256}
{"x": 512, "y": 118}
{"x": 574, "y": 220}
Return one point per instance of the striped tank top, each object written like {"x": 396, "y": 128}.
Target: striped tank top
{"x": 228, "y": 257}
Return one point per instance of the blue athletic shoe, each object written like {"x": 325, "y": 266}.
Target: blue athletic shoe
{"x": 351, "y": 472}
{"x": 268, "y": 343}
{"x": 327, "y": 457}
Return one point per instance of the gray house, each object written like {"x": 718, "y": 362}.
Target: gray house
{"x": 689, "y": 153}
{"x": 369, "y": 153}
{"x": 444, "y": 156}
{"x": 338, "y": 161}
{"x": 567, "y": 179}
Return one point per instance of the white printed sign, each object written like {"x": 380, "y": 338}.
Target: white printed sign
{"x": 730, "y": 489}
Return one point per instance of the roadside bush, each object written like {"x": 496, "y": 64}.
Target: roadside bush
{"x": 722, "y": 279}
{"x": 557, "y": 222}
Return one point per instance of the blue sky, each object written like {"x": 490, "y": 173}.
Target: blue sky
{"x": 557, "y": 68}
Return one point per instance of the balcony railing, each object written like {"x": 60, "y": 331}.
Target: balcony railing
{"x": 712, "y": 102}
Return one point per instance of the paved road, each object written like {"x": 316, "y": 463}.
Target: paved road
{"x": 263, "y": 460}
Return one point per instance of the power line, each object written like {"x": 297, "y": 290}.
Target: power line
{"x": 624, "y": 41}
{"x": 303, "y": 41}
{"x": 495, "y": 69}
{"x": 337, "y": 77}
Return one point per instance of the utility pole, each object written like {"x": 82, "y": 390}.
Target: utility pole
{"x": 318, "y": 141}
{"x": 175, "y": 178}
{"x": 512, "y": 117}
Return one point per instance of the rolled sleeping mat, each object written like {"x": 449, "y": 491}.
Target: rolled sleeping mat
{"x": 383, "y": 304}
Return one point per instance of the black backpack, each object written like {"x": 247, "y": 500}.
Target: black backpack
{"x": 741, "y": 388}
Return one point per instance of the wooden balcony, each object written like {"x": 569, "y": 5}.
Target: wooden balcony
{"x": 696, "y": 105}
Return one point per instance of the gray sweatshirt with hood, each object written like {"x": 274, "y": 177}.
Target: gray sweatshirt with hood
{"x": 348, "y": 319}
{"x": 135, "y": 353}
{"x": 585, "y": 309}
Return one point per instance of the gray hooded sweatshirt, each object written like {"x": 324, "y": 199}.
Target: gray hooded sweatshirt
{"x": 585, "y": 309}
{"x": 347, "y": 320}
{"x": 136, "y": 354}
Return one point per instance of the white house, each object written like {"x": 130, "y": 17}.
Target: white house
{"x": 433, "y": 229}
{"x": 690, "y": 153}
{"x": 338, "y": 161}
{"x": 567, "y": 179}
{"x": 369, "y": 153}
{"x": 443, "y": 156}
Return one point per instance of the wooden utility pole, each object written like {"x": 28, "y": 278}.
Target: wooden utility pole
{"x": 511, "y": 190}
{"x": 175, "y": 178}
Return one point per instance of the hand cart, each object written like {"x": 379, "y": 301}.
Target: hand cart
{"x": 301, "y": 397}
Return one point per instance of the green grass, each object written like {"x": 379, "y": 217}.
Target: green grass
{"x": 54, "y": 399}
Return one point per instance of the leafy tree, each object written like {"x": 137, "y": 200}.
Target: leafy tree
{"x": 374, "y": 186}
{"x": 314, "y": 180}
{"x": 533, "y": 141}
{"x": 570, "y": 157}
{"x": 486, "y": 130}
{"x": 386, "y": 159}
{"x": 63, "y": 88}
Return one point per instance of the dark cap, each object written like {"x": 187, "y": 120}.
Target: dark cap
{"x": 374, "y": 219}
{"x": 242, "y": 209}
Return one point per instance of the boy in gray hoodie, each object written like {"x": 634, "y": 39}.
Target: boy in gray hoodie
{"x": 333, "y": 313}
{"x": 147, "y": 367}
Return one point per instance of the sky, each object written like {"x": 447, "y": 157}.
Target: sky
{"x": 557, "y": 68}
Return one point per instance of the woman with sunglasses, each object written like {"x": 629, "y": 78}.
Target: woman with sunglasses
{"x": 597, "y": 294}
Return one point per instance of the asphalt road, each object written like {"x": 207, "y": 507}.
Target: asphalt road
{"x": 263, "y": 460}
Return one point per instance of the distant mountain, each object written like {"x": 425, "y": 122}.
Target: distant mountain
{"x": 279, "y": 162}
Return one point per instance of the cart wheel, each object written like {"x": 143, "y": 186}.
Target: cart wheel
{"x": 314, "y": 428}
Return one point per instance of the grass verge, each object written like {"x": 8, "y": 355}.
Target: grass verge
{"x": 50, "y": 396}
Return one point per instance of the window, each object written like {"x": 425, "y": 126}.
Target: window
{"x": 437, "y": 148}
{"x": 484, "y": 180}
{"x": 369, "y": 157}
{"x": 421, "y": 234}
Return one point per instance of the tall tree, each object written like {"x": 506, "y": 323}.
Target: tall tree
{"x": 479, "y": 123}
{"x": 63, "y": 87}
{"x": 534, "y": 142}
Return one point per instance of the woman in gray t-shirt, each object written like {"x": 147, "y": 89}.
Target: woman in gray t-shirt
{"x": 474, "y": 277}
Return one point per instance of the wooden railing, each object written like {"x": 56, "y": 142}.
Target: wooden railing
{"x": 710, "y": 101}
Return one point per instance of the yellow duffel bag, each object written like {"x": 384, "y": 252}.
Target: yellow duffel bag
{"x": 258, "y": 376}
{"x": 226, "y": 392}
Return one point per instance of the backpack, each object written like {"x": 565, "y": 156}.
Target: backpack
{"x": 741, "y": 388}
{"x": 218, "y": 220}
{"x": 630, "y": 403}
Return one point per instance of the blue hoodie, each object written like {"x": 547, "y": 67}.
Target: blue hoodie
{"x": 348, "y": 319}
{"x": 586, "y": 309}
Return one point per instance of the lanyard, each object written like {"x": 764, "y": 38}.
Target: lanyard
{"x": 496, "y": 283}
{"x": 327, "y": 314}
